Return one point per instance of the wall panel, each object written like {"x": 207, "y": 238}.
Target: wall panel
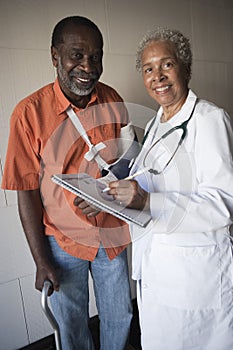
{"x": 26, "y": 27}
{"x": 13, "y": 331}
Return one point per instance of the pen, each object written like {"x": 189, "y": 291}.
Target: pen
{"x": 130, "y": 177}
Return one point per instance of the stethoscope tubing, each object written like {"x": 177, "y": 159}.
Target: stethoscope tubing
{"x": 182, "y": 126}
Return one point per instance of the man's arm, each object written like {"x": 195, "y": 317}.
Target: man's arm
{"x": 31, "y": 215}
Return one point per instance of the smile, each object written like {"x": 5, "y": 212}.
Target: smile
{"x": 162, "y": 89}
{"x": 83, "y": 80}
{"x": 84, "y": 83}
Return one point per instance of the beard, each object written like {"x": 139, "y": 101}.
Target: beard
{"x": 71, "y": 85}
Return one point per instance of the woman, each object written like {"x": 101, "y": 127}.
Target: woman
{"x": 182, "y": 261}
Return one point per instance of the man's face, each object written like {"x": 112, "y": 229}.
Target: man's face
{"x": 78, "y": 60}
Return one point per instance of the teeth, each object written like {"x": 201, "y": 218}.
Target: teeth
{"x": 84, "y": 80}
{"x": 162, "y": 89}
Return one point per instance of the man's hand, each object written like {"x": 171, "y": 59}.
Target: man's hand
{"x": 47, "y": 272}
{"x": 86, "y": 208}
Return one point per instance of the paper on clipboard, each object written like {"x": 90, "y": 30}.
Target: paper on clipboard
{"x": 90, "y": 189}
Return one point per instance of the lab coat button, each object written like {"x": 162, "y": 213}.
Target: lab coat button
{"x": 144, "y": 286}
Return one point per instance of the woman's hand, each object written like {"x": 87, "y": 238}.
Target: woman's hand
{"x": 129, "y": 193}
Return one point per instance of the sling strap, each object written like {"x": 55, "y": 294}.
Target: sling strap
{"x": 93, "y": 153}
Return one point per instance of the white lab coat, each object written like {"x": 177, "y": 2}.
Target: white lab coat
{"x": 183, "y": 260}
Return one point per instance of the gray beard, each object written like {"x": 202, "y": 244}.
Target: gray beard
{"x": 69, "y": 84}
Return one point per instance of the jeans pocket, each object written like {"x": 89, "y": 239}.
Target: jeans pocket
{"x": 187, "y": 277}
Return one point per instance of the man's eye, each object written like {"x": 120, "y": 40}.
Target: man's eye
{"x": 96, "y": 58}
{"x": 76, "y": 56}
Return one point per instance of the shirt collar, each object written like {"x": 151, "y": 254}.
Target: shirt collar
{"x": 63, "y": 103}
{"x": 185, "y": 111}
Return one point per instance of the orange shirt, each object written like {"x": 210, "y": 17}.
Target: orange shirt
{"x": 44, "y": 142}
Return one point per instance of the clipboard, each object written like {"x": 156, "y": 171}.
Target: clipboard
{"x": 90, "y": 189}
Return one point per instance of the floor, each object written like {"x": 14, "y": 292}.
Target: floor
{"x": 48, "y": 343}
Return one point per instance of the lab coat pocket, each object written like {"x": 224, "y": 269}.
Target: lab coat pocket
{"x": 187, "y": 277}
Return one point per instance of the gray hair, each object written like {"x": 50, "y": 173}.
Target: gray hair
{"x": 180, "y": 42}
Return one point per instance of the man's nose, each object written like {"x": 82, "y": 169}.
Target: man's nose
{"x": 86, "y": 64}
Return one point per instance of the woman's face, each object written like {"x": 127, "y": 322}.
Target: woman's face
{"x": 164, "y": 76}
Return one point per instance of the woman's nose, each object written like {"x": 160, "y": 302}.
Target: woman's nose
{"x": 158, "y": 75}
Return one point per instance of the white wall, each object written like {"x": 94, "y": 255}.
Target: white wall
{"x": 25, "y": 32}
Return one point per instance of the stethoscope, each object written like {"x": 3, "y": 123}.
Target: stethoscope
{"x": 182, "y": 127}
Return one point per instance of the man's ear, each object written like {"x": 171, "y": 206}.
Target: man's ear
{"x": 54, "y": 55}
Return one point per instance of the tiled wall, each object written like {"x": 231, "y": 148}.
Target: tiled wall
{"x": 25, "y": 32}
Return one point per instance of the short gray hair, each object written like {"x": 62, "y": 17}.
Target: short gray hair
{"x": 180, "y": 42}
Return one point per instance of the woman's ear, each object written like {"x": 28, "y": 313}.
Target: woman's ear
{"x": 54, "y": 55}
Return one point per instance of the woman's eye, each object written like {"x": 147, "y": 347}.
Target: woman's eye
{"x": 167, "y": 65}
{"x": 147, "y": 70}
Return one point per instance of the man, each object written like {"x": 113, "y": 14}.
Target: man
{"x": 65, "y": 235}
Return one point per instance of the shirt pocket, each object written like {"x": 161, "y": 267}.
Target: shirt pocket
{"x": 185, "y": 277}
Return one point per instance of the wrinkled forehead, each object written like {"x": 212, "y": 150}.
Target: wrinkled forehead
{"x": 165, "y": 45}
{"x": 159, "y": 49}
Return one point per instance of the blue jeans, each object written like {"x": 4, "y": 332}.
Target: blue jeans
{"x": 112, "y": 293}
